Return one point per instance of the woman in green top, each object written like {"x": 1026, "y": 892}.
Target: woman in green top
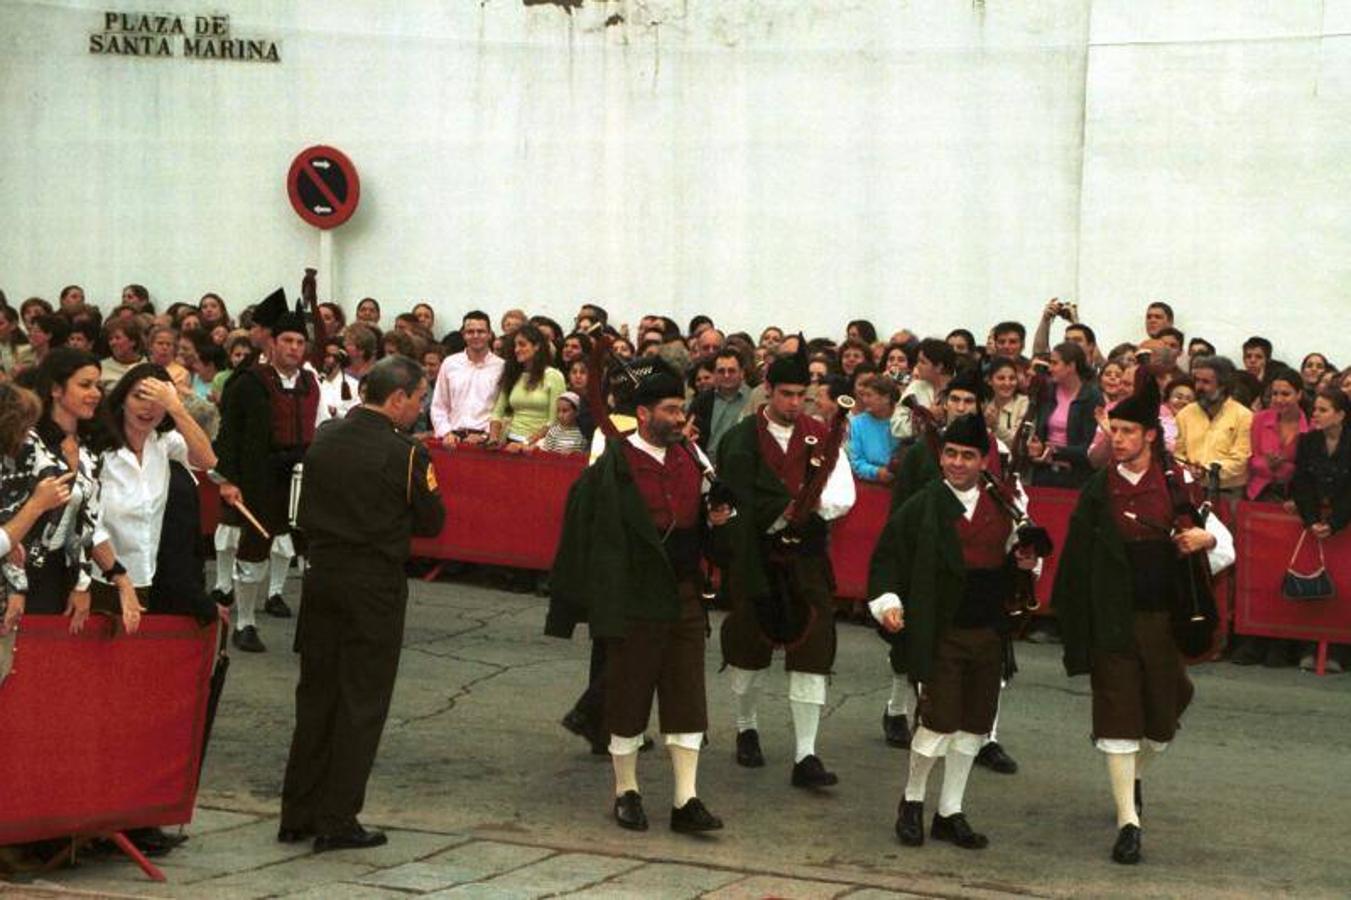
{"x": 526, "y": 392}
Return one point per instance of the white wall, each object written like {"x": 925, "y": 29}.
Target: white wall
{"x": 927, "y": 164}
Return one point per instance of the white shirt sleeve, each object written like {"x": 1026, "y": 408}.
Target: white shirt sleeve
{"x": 175, "y": 448}
{"x": 440, "y": 410}
{"x": 1222, "y": 555}
{"x": 838, "y": 496}
{"x": 884, "y": 604}
{"x": 5, "y": 545}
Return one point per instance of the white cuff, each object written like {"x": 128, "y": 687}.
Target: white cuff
{"x": 691, "y": 741}
{"x": 884, "y": 604}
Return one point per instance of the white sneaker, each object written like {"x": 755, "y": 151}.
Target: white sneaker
{"x": 1306, "y": 663}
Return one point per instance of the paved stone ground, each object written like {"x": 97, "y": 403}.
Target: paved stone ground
{"x": 486, "y": 796}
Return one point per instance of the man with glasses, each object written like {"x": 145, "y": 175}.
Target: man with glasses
{"x": 466, "y": 387}
{"x": 715, "y": 412}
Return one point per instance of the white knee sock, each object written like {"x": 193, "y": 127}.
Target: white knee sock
{"x": 746, "y": 687}
{"x": 279, "y": 560}
{"x": 956, "y": 767}
{"x": 1121, "y": 771}
{"x": 684, "y": 769}
{"x": 227, "y": 541}
{"x": 920, "y": 767}
{"x": 902, "y": 698}
{"x": 626, "y": 772}
{"x": 248, "y": 586}
{"x": 806, "y": 722}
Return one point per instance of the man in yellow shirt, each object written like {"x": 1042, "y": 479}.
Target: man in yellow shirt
{"x": 1216, "y": 428}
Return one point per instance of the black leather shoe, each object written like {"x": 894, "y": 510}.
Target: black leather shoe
{"x": 956, "y": 829}
{"x": 357, "y": 838}
{"x": 993, "y": 757}
{"x": 1139, "y": 798}
{"x": 578, "y": 722}
{"x": 910, "y": 823}
{"x": 693, "y": 818}
{"x": 247, "y": 639}
{"x": 1126, "y": 850}
{"x": 896, "y": 730}
{"x": 748, "y": 749}
{"x": 629, "y": 811}
{"x": 221, "y": 598}
{"x": 811, "y": 773}
{"x": 276, "y": 607}
{"x": 293, "y": 835}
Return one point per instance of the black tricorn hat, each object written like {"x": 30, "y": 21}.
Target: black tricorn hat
{"x": 968, "y": 431}
{"x": 792, "y": 368}
{"x": 1141, "y": 407}
{"x": 969, "y": 380}
{"x": 290, "y": 321}
{"x": 660, "y": 384}
{"x": 270, "y": 309}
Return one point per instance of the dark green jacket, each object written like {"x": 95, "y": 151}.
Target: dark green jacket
{"x": 1093, "y": 596}
{"x": 918, "y": 557}
{"x": 611, "y": 567}
{"x": 918, "y": 467}
{"x": 760, "y": 499}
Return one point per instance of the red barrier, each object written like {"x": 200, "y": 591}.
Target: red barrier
{"x": 853, "y": 537}
{"x": 501, "y": 508}
{"x": 1266, "y": 538}
{"x": 101, "y": 733}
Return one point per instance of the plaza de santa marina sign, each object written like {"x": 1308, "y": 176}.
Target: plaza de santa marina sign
{"x": 186, "y": 37}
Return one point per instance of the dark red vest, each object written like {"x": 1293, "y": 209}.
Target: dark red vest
{"x": 985, "y": 537}
{"x": 1148, "y": 500}
{"x": 790, "y": 466}
{"x": 292, "y": 411}
{"x": 670, "y": 490}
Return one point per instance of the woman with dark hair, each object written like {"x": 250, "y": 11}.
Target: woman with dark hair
{"x": 1007, "y": 408}
{"x": 962, "y": 342}
{"x": 553, "y": 333}
{"x": 575, "y": 346}
{"x": 56, "y": 575}
{"x": 425, "y": 315}
{"x": 145, "y": 427}
{"x": 46, "y": 333}
{"x": 211, "y": 309}
{"x": 1321, "y": 485}
{"x": 623, "y": 348}
{"x": 527, "y": 392}
{"x": 1275, "y": 432}
{"x": 861, "y": 330}
{"x": 1312, "y": 369}
{"x": 31, "y": 308}
{"x": 1066, "y": 421}
{"x": 334, "y": 319}
{"x": 22, "y": 501}
{"x": 368, "y": 312}
{"x": 896, "y": 363}
{"x": 15, "y": 354}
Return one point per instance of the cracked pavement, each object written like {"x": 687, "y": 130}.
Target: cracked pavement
{"x": 485, "y": 795}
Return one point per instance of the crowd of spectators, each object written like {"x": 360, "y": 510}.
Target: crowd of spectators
{"x": 126, "y": 393}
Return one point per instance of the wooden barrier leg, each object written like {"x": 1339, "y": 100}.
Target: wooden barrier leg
{"x": 434, "y": 572}
{"x": 126, "y": 846}
{"x": 1322, "y": 660}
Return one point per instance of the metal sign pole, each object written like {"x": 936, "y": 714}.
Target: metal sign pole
{"x": 326, "y": 288}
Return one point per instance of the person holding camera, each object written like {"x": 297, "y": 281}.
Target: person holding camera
{"x": 1066, "y": 421}
{"x": 339, "y": 392}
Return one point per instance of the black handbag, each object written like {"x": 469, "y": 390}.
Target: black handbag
{"x": 1315, "y": 585}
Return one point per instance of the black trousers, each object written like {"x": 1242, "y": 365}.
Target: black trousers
{"x": 349, "y": 636}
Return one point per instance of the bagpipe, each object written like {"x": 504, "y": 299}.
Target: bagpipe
{"x": 1193, "y": 613}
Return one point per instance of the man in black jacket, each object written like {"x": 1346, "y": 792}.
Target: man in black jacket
{"x": 369, "y": 486}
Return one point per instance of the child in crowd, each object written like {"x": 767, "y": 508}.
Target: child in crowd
{"x": 564, "y": 436}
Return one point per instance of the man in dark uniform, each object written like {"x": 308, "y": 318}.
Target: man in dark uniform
{"x": 628, "y": 563}
{"x": 268, "y": 416}
{"x": 368, "y": 487}
{"x": 1116, "y": 595}
{"x": 965, "y": 394}
{"x": 765, "y": 459}
{"x": 947, "y": 552}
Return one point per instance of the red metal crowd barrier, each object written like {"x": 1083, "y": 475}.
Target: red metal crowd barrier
{"x": 1266, "y": 537}
{"x": 507, "y": 509}
{"x": 101, "y": 732}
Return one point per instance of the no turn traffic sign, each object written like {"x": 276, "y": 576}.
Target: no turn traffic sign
{"x": 323, "y": 186}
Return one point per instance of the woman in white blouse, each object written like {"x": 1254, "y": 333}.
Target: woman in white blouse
{"x": 147, "y": 426}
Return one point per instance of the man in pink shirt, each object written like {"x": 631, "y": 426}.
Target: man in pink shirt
{"x": 466, "y": 387}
